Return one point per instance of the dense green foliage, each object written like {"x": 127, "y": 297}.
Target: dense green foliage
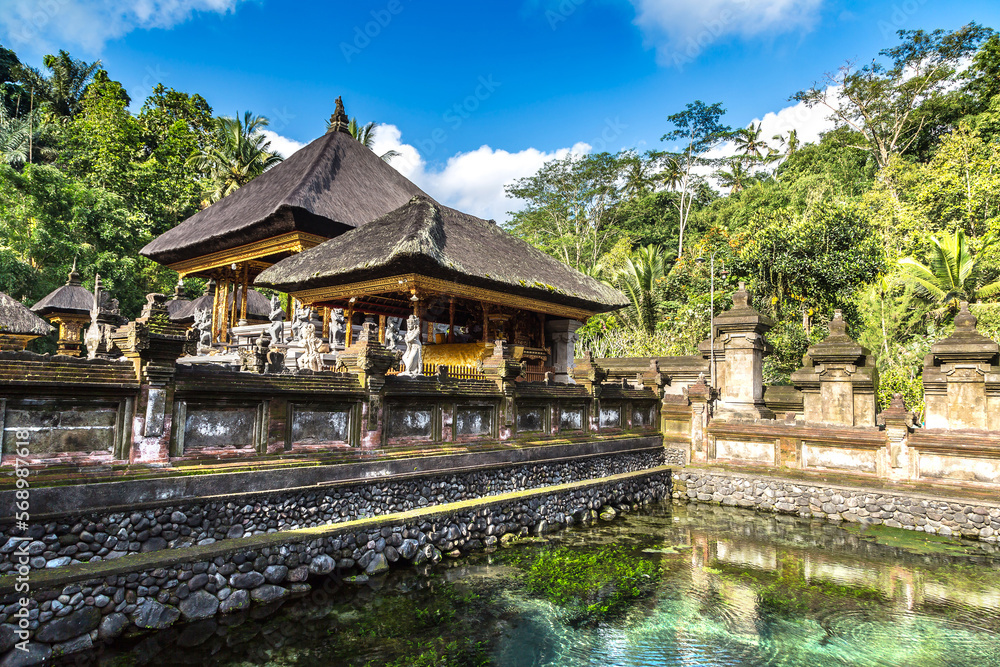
{"x": 892, "y": 216}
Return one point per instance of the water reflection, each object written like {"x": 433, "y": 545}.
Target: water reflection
{"x": 713, "y": 586}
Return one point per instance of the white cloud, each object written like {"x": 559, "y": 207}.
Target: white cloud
{"x": 681, "y": 30}
{"x": 47, "y": 24}
{"x": 283, "y": 145}
{"x": 472, "y": 181}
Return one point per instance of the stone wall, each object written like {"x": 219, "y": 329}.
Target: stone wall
{"x": 93, "y": 537}
{"x": 940, "y": 516}
{"x": 71, "y": 614}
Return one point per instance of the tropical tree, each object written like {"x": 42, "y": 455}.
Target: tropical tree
{"x": 60, "y": 92}
{"x": 881, "y": 99}
{"x": 637, "y": 176}
{"x": 238, "y": 153}
{"x": 699, "y": 129}
{"x": 735, "y": 178}
{"x": 638, "y": 279}
{"x": 950, "y": 274}
{"x": 750, "y": 144}
{"x": 15, "y": 137}
{"x": 789, "y": 143}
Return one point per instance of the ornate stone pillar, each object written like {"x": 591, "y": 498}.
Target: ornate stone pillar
{"x": 898, "y": 424}
{"x": 961, "y": 377}
{"x": 838, "y": 381}
{"x": 562, "y": 334}
{"x": 739, "y": 336}
{"x": 700, "y": 397}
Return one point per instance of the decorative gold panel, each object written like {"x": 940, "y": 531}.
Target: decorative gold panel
{"x": 293, "y": 242}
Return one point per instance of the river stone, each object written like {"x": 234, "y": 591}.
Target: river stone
{"x": 35, "y": 655}
{"x": 198, "y": 581}
{"x": 378, "y": 565}
{"x": 275, "y": 574}
{"x": 608, "y": 513}
{"x": 152, "y": 615}
{"x": 153, "y": 544}
{"x": 268, "y": 593}
{"x": 199, "y": 605}
{"x": 68, "y": 627}
{"x": 7, "y": 638}
{"x": 246, "y": 580}
{"x": 321, "y": 565}
{"x": 112, "y": 625}
{"x": 300, "y": 573}
{"x": 235, "y": 532}
{"x": 409, "y": 549}
{"x": 81, "y": 643}
{"x": 238, "y": 600}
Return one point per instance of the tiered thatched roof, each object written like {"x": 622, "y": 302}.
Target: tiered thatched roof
{"x": 325, "y": 188}
{"x": 72, "y": 298}
{"x": 258, "y": 305}
{"x": 427, "y": 238}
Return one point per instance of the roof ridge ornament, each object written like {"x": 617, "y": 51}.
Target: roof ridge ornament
{"x": 74, "y": 277}
{"x": 339, "y": 122}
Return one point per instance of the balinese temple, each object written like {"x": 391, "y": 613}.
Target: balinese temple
{"x": 68, "y": 307}
{"x": 18, "y": 325}
{"x": 468, "y": 281}
{"x": 343, "y": 229}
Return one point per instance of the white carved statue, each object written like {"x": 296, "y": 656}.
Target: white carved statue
{"x": 312, "y": 358}
{"x": 302, "y": 316}
{"x": 277, "y": 317}
{"x": 337, "y": 328}
{"x": 391, "y": 334}
{"x": 203, "y": 323}
{"x": 413, "y": 357}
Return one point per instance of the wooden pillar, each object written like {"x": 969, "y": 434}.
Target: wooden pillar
{"x": 349, "y": 334}
{"x": 216, "y": 321}
{"x": 381, "y": 329}
{"x": 326, "y": 323}
{"x": 224, "y": 311}
{"x": 451, "y": 320}
{"x": 486, "y": 323}
{"x": 246, "y": 288}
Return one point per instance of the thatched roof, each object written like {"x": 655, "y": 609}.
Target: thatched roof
{"x": 71, "y": 298}
{"x": 325, "y": 188}
{"x": 18, "y": 320}
{"x": 258, "y": 305}
{"x": 427, "y": 238}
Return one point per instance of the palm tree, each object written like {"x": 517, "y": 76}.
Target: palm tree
{"x": 60, "y": 93}
{"x": 15, "y": 137}
{"x": 237, "y": 153}
{"x": 636, "y": 173}
{"x": 735, "y": 179}
{"x": 638, "y": 279}
{"x": 673, "y": 173}
{"x": 749, "y": 143}
{"x": 951, "y": 274}
{"x": 790, "y": 144}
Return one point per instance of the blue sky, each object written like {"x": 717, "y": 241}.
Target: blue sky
{"x": 477, "y": 93}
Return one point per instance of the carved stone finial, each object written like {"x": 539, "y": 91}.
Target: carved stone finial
{"x": 838, "y": 327}
{"x": 74, "y": 278}
{"x": 897, "y": 402}
{"x": 339, "y": 121}
{"x": 965, "y": 320}
{"x": 179, "y": 291}
{"x": 741, "y": 298}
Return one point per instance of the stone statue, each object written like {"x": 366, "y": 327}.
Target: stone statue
{"x": 337, "y": 329}
{"x": 391, "y": 334}
{"x": 104, "y": 317}
{"x": 277, "y": 316}
{"x": 413, "y": 357}
{"x": 312, "y": 358}
{"x": 302, "y": 315}
{"x": 203, "y": 324}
